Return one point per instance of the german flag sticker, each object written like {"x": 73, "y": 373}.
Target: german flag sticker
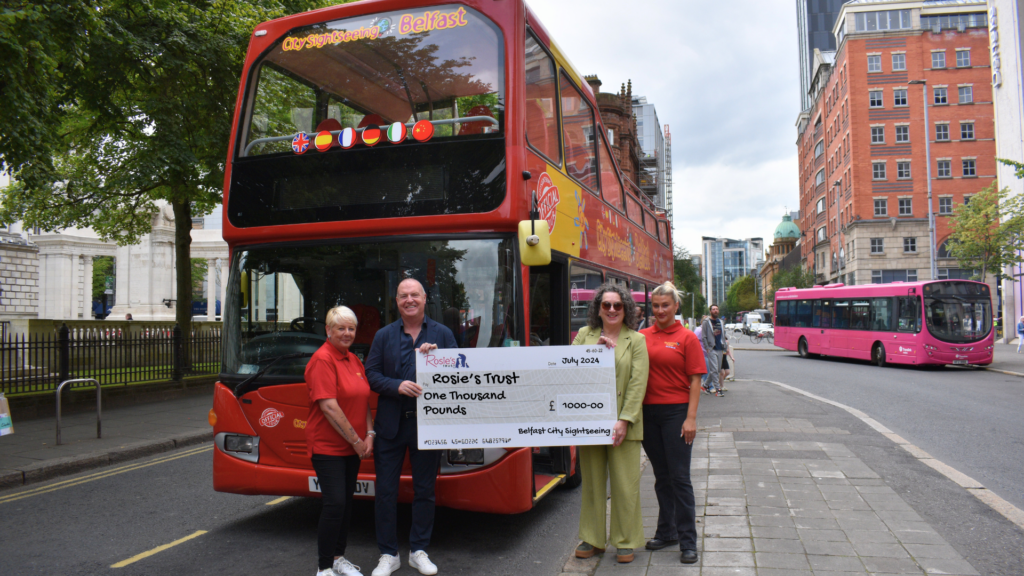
{"x": 371, "y": 135}
{"x": 397, "y": 133}
{"x": 423, "y": 131}
{"x": 347, "y": 138}
{"x": 323, "y": 140}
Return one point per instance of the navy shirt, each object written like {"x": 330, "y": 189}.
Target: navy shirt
{"x": 716, "y": 324}
{"x": 407, "y": 360}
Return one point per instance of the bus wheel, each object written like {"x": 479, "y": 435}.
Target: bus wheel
{"x": 576, "y": 478}
{"x": 801, "y": 348}
{"x": 878, "y": 354}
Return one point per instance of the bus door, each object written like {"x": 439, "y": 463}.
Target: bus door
{"x": 908, "y": 325}
{"x": 549, "y": 305}
{"x": 821, "y": 322}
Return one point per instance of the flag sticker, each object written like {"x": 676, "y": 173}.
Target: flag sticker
{"x": 323, "y": 140}
{"x": 371, "y": 135}
{"x": 300, "y": 143}
{"x": 347, "y": 138}
{"x": 423, "y": 131}
{"x": 397, "y": 133}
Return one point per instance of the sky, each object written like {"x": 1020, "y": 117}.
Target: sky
{"x": 724, "y": 77}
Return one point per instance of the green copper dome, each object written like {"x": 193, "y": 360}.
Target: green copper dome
{"x": 786, "y": 229}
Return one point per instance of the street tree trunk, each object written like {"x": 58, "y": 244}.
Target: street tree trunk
{"x": 183, "y": 266}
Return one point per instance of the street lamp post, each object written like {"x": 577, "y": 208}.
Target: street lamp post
{"x": 928, "y": 175}
{"x": 839, "y": 227}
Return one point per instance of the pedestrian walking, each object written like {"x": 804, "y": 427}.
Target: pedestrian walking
{"x": 670, "y": 421}
{"x": 728, "y": 368}
{"x": 391, "y": 368}
{"x": 1020, "y": 333}
{"x": 609, "y": 317}
{"x": 716, "y": 340}
{"x": 338, "y": 435}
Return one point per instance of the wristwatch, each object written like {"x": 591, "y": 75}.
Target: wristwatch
{"x": 372, "y": 433}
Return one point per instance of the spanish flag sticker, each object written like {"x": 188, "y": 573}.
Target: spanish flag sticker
{"x": 371, "y": 135}
{"x": 423, "y": 131}
{"x": 323, "y": 140}
{"x": 397, "y": 133}
{"x": 347, "y": 138}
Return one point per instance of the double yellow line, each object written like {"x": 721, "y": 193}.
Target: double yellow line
{"x": 106, "y": 473}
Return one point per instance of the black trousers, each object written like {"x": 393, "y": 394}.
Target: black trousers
{"x": 388, "y": 456}
{"x": 670, "y": 459}
{"x": 337, "y": 476}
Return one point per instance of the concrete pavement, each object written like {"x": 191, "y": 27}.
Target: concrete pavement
{"x": 788, "y": 485}
{"x": 31, "y": 454}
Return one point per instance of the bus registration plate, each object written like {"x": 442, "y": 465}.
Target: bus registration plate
{"x": 363, "y": 487}
{"x": 959, "y": 361}
{"x": 516, "y": 397}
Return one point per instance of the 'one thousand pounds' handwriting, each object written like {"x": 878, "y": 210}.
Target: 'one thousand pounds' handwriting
{"x": 516, "y": 397}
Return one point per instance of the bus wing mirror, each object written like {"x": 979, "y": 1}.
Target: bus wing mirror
{"x": 535, "y": 242}
{"x": 244, "y": 289}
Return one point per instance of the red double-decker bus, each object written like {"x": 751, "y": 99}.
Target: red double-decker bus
{"x": 450, "y": 142}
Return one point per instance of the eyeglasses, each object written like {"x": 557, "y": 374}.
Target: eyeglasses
{"x": 611, "y": 305}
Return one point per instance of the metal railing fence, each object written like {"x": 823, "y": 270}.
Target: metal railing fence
{"x": 38, "y": 362}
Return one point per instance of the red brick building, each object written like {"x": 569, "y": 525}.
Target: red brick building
{"x": 617, "y": 114}
{"x": 863, "y": 172}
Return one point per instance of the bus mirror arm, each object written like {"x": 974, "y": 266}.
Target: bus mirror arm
{"x": 534, "y": 237}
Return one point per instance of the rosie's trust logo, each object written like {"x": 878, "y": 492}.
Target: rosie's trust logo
{"x": 446, "y": 361}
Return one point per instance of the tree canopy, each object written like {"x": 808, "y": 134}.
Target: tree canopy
{"x": 795, "y": 277}
{"x": 687, "y": 279}
{"x": 741, "y": 296}
{"x": 988, "y": 232}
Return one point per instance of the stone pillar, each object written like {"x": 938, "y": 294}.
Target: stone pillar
{"x": 42, "y": 310}
{"x": 73, "y": 288}
{"x": 87, "y": 290}
{"x": 211, "y": 292}
{"x": 224, "y": 271}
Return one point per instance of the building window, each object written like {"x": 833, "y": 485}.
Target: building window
{"x": 878, "y": 134}
{"x": 942, "y": 132}
{"x": 954, "y": 21}
{"x": 940, "y": 96}
{"x": 967, "y": 199}
{"x": 906, "y": 207}
{"x": 819, "y": 178}
{"x": 967, "y": 130}
{"x": 899, "y": 62}
{"x": 875, "y": 99}
{"x": 910, "y": 245}
{"x": 887, "y": 276}
{"x": 938, "y": 59}
{"x": 821, "y": 205}
{"x": 878, "y": 170}
{"x": 903, "y": 170}
{"x": 911, "y": 275}
{"x": 963, "y": 58}
{"x": 877, "y": 245}
{"x": 945, "y": 205}
{"x": 899, "y": 97}
{"x": 966, "y": 94}
{"x": 944, "y": 169}
{"x": 821, "y": 234}
{"x": 903, "y": 133}
{"x": 611, "y": 136}
{"x": 874, "y": 63}
{"x": 968, "y": 164}
{"x": 819, "y": 148}
{"x": 881, "y": 207}
{"x": 882, "y": 20}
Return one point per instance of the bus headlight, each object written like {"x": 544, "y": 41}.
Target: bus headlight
{"x": 239, "y": 446}
{"x": 466, "y": 456}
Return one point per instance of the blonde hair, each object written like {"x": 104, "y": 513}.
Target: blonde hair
{"x": 668, "y": 289}
{"x": 340, "y": 314}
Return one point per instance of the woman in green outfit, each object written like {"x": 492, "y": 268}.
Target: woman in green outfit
{"x": 609, "y": 318}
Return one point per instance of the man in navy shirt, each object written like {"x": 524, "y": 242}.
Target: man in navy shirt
{"x": 391, "y": 371}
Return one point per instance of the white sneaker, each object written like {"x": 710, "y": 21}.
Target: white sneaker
{"x": 421, "y": 562}
{"x": 343, "y": 567}
{"x": 325, "y": 572}
{"x": 387, "y": 565}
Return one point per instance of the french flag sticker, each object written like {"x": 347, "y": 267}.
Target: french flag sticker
{"x": 347, "y": 138}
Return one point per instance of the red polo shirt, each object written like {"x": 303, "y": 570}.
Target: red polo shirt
{"x": 675, "y": 355}
{"x": 339, "y": 375}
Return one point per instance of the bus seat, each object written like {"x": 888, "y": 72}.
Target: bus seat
{"x": 371, "y": 120}
{"x": 469, "y": 128}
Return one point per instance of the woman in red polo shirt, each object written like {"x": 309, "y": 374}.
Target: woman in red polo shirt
{"x": 339, "y": 432}
{"x": 670, "y": 421}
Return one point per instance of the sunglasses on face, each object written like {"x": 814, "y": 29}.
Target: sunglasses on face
{"x": 611, "y": 306}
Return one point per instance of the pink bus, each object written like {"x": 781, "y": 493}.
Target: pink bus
{"x": 581, "y": 298}
{"x": 941, "y": 322}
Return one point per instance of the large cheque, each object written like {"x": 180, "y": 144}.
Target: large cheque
{"x": 514, "y": 397}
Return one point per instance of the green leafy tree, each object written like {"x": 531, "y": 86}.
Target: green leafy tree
{"x": 687, "y": 279}
{"x": 102, "y": 267}
{"x": 742, "y": 295}
{"x": 795, "y": 277}
{"x": 1017, "y": 166}
{"x": 988, "y": 232}
{"x": 119, "y": 104}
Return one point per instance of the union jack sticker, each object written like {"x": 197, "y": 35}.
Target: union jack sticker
{"x": 300, "y": 143}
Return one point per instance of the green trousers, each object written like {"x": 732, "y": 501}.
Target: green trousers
{"x": 627, "y": 528}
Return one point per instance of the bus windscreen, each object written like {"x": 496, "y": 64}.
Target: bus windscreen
{"x": 958, "y": 312}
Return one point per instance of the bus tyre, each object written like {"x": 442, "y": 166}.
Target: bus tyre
{"x": 801, "y": 348}
{"x": 878, "y": 354}
{"x": 576, "y": 478}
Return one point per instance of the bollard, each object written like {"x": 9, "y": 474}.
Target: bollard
{"x": 99, "y": 405}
